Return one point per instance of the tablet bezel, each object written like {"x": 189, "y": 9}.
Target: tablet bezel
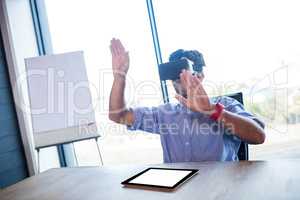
{"x": 188, "y": 176}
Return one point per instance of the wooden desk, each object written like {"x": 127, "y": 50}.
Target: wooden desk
{"x": 215, "y": 180}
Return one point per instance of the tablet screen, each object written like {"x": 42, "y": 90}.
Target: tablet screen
{"x": 161, "y": 177}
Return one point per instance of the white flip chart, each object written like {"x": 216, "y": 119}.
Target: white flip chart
{"x": 60, "y": 99}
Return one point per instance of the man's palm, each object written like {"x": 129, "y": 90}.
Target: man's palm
{"x": 120, "y": 58}
{"x": 197, "y": 98}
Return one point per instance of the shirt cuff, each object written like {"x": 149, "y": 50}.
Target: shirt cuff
{"x": 136, "y": 121}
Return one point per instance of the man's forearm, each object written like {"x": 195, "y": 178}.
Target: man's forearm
{"x": 246, "y": 129}
{"x": 116, "y": 100}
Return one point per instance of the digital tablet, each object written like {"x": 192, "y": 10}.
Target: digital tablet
{"x": 164, "y": 178}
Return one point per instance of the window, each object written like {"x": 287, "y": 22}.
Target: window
{"x": 248, "y": 46}
{"x": 89, "y": 26}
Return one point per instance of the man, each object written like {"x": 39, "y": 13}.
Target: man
{"x": 198, "y": 128}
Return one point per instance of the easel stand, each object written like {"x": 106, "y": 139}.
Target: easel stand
{"x": 72, "y": 142}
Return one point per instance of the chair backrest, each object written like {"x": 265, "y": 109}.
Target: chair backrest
{"x": 243, "y": 150}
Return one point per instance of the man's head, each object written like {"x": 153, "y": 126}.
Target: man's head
{"x": 197, "y": 67}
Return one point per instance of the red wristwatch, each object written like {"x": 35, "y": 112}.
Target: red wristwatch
{"x": 217, "y": 113}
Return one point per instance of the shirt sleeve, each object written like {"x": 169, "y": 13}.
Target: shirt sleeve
{"x": 237, "y": 108}
{"x": 145, "y": 119}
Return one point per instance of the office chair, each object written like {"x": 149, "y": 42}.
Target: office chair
{"x": 243, "y": 150}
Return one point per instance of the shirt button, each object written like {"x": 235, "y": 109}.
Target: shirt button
{"x": 187, "y": 144}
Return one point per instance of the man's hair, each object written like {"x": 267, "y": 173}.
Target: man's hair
{"x": 195, "y": 56}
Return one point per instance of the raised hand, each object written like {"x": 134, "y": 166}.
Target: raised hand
{"x": 120, "y": 58}
{"x": 197, "y": 99}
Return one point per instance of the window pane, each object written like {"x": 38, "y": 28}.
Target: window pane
{"x": 249, "y": 46}
{"x": 89, "y": 26}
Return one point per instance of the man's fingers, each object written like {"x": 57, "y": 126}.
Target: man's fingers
{"x": 184, "y": 78}
{"x": 181, "y": 99}
{"x": 120, "y": 46}
{"x": 112, "y": 50}
{"x": 126, "y": 61}
{"x": 199, "y": 86}
{"x": 184, "y": 82}
{"x": 196, "y": 83}
{"x": 113, "y": 47}
{"x": 188, "y": 77}
{"x": 127, "y": 55}
{"x": 198, "y": 79}
{"x": 193, "y": 82}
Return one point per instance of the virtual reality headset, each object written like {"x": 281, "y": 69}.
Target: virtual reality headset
{"x": 179, "y": 60}
{"x": 172, "y": 70}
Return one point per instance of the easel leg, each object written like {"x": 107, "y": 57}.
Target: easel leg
{"x": 38, "y": 159}
{"x": 75, "y": 155}
{"x": 101, "y": 161}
